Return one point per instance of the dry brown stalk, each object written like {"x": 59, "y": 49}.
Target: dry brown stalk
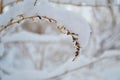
{"x": 74, "y": 38}
{"x": 60, "y": 28}
{"x": 8, "y": 4}
{"x": 1, "y": 6}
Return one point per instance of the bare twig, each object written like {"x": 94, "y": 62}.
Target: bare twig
{"x": 8, "y": 4}
{"x": 35, "y": 2}
{"x": 83, "y": 4}
{"x": 112, "y": 13}
{"x": 1, "y": 6}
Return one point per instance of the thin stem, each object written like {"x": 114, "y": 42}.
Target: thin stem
{"x": 35, "y": 2}
{"x": 1, "y": 6}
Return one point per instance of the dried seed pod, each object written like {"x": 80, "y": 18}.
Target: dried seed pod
{"x": 74, "y": 38}
{"x": 21, "y": 16}
{"x": 39, "y": 17}
{"x": 49, "y": 19}
{"x": 11, "y": 20}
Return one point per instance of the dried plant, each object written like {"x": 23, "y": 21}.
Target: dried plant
{"x": 74, "y": 38}
{"x": 1, "y": 6}
{"x": 62, "y": 29}
{"x": 8, "y": 4}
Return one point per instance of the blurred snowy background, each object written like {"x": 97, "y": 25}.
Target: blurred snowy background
{"x": 38, "y": 51}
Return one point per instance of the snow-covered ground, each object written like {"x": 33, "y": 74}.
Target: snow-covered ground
{"x": 36, "y": 50}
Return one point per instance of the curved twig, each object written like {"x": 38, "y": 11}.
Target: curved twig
{"x": 74, "y": 36}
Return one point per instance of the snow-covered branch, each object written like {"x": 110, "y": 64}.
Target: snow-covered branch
{"x": 66, "y": 70}
{"x": 63, "y": 70}
{"x": 83, "y": 4}
{"x": 32, "y": 37}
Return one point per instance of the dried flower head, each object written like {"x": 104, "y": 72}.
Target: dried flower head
{"x": 74, "y": 38}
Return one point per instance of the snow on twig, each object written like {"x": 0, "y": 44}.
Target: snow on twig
{"x": 83, "y": 4}
{"x": 74, "y": 36}
{"x": 25, "y": 36}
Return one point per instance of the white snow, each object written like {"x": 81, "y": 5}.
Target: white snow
{"x": 26, "y": 55}
{"x": 32, "y": 37}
